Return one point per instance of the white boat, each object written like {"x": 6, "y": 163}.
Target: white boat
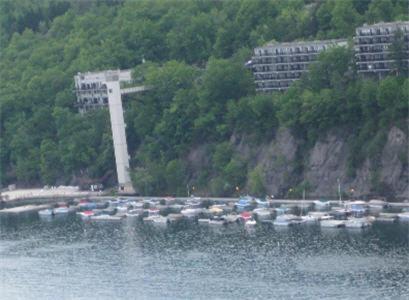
{"x": 357, "y": 223}
{"x": 160, "y": 220}
{"x": 377, "y": 205}
{"x": 86, "y": 215}
{"x": 191, "y": 212}
{"x": 106, "y": 218}
{"x": 231, "y": 218}
{"x": 156, "y": 219}
{"x": 175, "y": 218}
{"x": 286, "y": 220}
{"x": 309, "y": 219}
{"x": 319, "y": 215}
{"x": 250, "y": 223}
{"x": 122, "y": 208}
{"x": 203, "y": 221}
{"x": 262, "y": 214}
{"x": 332, "y": 223}
{"x": 62, "y": 210}
{"x": 217, "y": 222}
{"x": 321, "y": 204}
{"x": 134, "y": 213}
{"x": 404, "y": 217}
{"x": 215, "y": 210}
{"x": 46, "y": 212}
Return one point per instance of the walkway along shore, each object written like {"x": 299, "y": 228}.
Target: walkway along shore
{"x": 42, "y": 196}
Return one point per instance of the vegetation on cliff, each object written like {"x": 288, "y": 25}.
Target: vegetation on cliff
{"x": 195, "y": 53}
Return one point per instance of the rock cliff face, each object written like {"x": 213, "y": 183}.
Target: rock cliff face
{"x": 326, "y": 164}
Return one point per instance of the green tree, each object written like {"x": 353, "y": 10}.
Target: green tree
{"x": 398, "y": 52}
{"x": 256, "y": 182}
{"x": 49, "y": 162}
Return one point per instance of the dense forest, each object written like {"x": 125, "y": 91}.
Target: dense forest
{"x": 192, "y": 53}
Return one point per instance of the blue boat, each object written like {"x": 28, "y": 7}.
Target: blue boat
{"x": 243, "y": 204}
{"x": 358, "y": 208}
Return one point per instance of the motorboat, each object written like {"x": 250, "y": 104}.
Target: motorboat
{"x": 159, "y": 220}
{"x": 321, "y": 204}
{"x": 86, "y": 205}
{"x": 319, "y": 215}
{"x": 358, "y": 208}
{"x": 46, "y": 212}
{"x": 357, "y": 223}
{"x": 404, "y": 217}
{"x": 340, "y": 213}
{"x": 332, "y": 223}
{"x": 193, "y": 203}
{"x": 215, "y": 210}
{"x": 245, "y": 216}
{"x": 377, "y": 205}
{"x": 191, "y": 212}
{"x": 309, "y": 219}
{"x": 135, "y": 213}
{"x": 287, "y": 220}
{"x": 86, "y": 215}
{"x": 262, "y": 203}
{"x": 281, "y": 210}
{"x": 122, "y": 208}
{"x": 203, "y": 221}
{"x": 262, "y": 214}
{"x": 387, "y": 217}
{"x": 217, "y": 221}
{"x": 175, "y": 218}
{"x": 244, "y": 204}
{"x": 250, "y": 223}
{"x": 106, "y": 218}
{"x": 231, "y": 218}
{"x": 62, "y": 210}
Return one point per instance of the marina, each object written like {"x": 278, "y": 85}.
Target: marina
{"x": 123, "y": 258}
{"x": 245, "y": 210}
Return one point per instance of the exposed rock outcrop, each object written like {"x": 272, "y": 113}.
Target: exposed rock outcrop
{"x": 326, "y": 164}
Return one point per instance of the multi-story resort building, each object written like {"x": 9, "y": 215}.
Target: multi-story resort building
{"x": 277, "y": 65}
{"x": 91, "y": 88}
{"x": 372, "y": 47}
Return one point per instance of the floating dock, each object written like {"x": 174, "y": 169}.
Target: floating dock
{"x": 23, "y": 209}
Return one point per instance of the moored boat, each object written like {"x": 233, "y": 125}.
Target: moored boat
{"x": 357, "y": 223}
{"x": 332, "y": 223}
{"x": 86, "y": 215}
{"x": 377, "y": 205}
{"x": 106, "y": 218}
{"x": 321, "y": 204}
{"x": 262, "y": 214}
{"x": 175, "y": 218}
{"x": 46, "y": 212}
{"x": 287, "y": 220}
{"x": 243, "y": 204}
{"x": 135, "y": 213}
{"x": 191, "y": 212}
{"x": 62, "y": 210}
{"x": 217, "y": 221}
{"x": 203, "y": 221}
{"x": 357, "y": 208}
{"x": 404, "y": 217}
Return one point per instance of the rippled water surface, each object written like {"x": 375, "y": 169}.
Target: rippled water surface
{"x": 69, "y": 259}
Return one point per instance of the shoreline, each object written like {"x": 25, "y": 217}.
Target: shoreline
{"x": 48, "y": 196}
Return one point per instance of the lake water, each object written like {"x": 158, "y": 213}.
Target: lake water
{"x": 69, "y": 259}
